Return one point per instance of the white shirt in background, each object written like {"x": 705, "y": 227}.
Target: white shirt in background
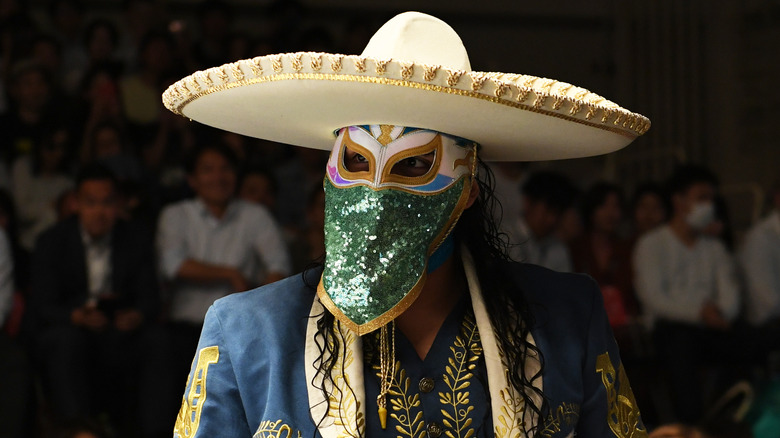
{"x": 98, "y": 261}
{"x": 674, "y": 281}
{"x": 549, "y": 252}
{"x": 35, "y": 198}
{"x": 246, "y": 238}
{"x": 760, "y": 261}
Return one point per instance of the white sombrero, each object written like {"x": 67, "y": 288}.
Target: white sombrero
{"x": 414, "y": 72}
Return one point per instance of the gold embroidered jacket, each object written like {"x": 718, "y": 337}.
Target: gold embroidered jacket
{"x": 250, "y": 377}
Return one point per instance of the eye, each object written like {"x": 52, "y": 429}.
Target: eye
{"x": 414, "y": 166}
{"x": 354, "y": 162}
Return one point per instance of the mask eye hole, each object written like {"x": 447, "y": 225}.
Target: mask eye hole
{"x": 354, "y": 162}
{"x": 414, "y": 166}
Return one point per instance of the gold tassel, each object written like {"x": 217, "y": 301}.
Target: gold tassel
{"x": 386, "y": 370}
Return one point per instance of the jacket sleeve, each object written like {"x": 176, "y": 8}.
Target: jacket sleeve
{"x": 211, "y": 405}
{"x": 608, "y": 406}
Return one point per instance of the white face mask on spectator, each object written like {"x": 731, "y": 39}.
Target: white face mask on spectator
{"x": 701, "y": 215}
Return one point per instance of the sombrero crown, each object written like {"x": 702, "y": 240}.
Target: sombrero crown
{"x": 413, "y": 72}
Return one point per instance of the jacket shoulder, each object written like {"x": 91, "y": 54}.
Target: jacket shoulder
{"x": 556, "y": 296}
{"x": 286, "y": 301}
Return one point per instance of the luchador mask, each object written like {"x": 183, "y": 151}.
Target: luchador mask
{"x": 392, "y": 196}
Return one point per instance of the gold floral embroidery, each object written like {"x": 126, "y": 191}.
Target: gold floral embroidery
{"x": 402, "y": 405}
{"x": 566, "y": 415}
{"x": 510, "y": 417}
{"x": 406, "y": 408}
{"x": 622, "y": 412}
{"x": 188, "y": 420}
{"x": 343, "y": 406}
{"x": 274, "y": 429}
{"x": 466, "y": 351}
{"x": 512, "y": 409}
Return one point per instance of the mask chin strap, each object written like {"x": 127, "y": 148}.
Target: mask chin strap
{"x": 442, "y": 253}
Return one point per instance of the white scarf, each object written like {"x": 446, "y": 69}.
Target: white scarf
{"x": 346, "y": 407}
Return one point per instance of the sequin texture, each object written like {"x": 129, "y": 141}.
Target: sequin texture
{"x": 378, "y": 242}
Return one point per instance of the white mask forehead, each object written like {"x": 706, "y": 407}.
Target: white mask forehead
{"x": 387, "y": 144}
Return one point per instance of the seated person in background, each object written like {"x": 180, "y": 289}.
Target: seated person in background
{"x": 259, "y": 186}
{"x": 686, "y": 283}
{"x": 648, "y": 209}
{"x": 546, "y": 196}
{"x": 603, "y": 255}
{"x": 760, "y": 260}
{"x": 94, "y": 295}
{"x": 214, "y": 245}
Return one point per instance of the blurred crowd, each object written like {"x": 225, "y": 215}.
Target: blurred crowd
{"x": 120, "y": 223}
{"x": 695, "y": 312}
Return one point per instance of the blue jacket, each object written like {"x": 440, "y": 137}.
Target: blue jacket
{"x": 248, "y": 377}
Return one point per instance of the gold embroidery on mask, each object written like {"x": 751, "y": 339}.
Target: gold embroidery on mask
{"x": 434, "y": 146}
{"x": 466, "y": 352}
{"x": 274, "y": 429}
{"x": 384, "y": 139}
{"x": 467, "y": 161}
{"x": 622, "y": 412}
{"x": 566, "y": 415}
{"x": 188, "y": 420}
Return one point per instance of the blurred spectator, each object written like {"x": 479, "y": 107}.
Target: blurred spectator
{"x": 101, "y": 39}
{"x": 214, "y": 245}
{"x": 140, "y": 92}
{"x": 212, "y": 50}
{"x": 10, "y": 225}
{"x": 14, "y": 367}
{"x": 570, "y": 226}
{"x": 38, "y": 181}
{"x": 310, "y": 243}
{"x": 649, "y": 208}
{"x": 258, "y": 186}
{"x": 6, "y": 277}
{"x": 760, "y": 260}
{"x": 47, "y": 53}
{"x": 299, "y": 170}
{"x": 686, "y": 282}
{"x": 98, "y": 99}
{"x": 30, "y": 115}
{"x": 720, "y": 228}
{"x": 67, "y": 18}
{"x": 546, "y": 196}
{"x": 94, "y": 296}
{"x": 107, "y": 144}
{"x": 508, "y": 182}
{"x": 602, "y": 254}
{"x": 17, "y": 33}
{"x": 139, "y": 18}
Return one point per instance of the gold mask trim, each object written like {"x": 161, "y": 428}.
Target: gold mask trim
{"x": 434, "y": 146}
{"x": 348, "y": 143}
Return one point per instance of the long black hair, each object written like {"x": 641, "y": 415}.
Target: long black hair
{"x": 510, "y": 315}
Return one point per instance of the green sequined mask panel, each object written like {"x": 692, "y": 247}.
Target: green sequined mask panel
{"x": 377, "y": 244}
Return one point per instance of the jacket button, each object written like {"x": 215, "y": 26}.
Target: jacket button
{"x": 426, "y": 384}
{"x": 434, "y": 429}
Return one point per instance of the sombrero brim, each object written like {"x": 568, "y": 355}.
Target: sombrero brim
{"x": 302, "y": 98}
